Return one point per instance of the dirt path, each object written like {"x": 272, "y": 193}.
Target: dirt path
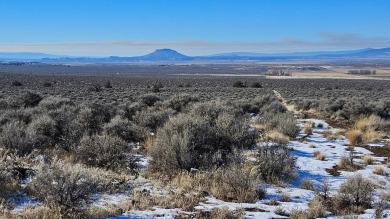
{"x": 289, "y": 107}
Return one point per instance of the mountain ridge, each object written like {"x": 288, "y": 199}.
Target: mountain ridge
{"x": 170, "y": 55}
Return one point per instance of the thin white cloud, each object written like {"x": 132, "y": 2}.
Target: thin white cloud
{"x": 326, "y": 41}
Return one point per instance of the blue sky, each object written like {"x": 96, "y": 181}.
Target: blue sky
{"x": 196, "y": 27}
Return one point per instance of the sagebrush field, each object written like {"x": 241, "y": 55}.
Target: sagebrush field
{"x": 209, "y": 141}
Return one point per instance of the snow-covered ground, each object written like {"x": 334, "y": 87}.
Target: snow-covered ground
{"x": 308, "y": 168}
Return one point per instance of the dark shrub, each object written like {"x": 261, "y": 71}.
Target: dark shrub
{"x": 16, "y": 83}
{"x": 179, "y": 102}
{"x": 239, "y": 84}
{"x": 149, "y": 100}
{"x": 46, "y": 84}
{"x": 256, "y": 85}
{"x": 108, "y": 84}
{"x": 69, "y": 132}
{"x": 27, "y": 100}
{"x": 91, "y": 117}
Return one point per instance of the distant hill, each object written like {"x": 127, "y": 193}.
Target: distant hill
{"x": 164, "y": 55}
{"x": 169, "y": 55}
{"x": 26, "y": 56}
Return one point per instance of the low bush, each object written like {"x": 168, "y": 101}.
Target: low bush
{"x": 109, "y": 152}
{"x": 180, "y": 102}
{"x": 14, "y": 137}
{"x": 235, "y": 184}
{"x": 63, "y": 187}
{"x": 239, "y": 84}
{"x": 274, "y": 163}
{"x": 124, "y": 129}
{"x": 16, "y": 83}
{"x": 284, "y": 123}
{"x": 256, "y": 85}
{"x": 354, "y": 195}
{"x": 191, "y": 141}
{"x": 25, "y": 100}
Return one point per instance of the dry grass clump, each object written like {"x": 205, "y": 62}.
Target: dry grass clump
{"x": 346, "y": 163}
{"x": 307, "y": 184}
{"x": 380, "y": 170}
{"x": 141, "y": 200}
{"x": 366, "y": 129}
{"x": 231, "y": 183}
{"x": 215, "y": 213}
{"x": 276, "y": 136}
{"x": 330, "y": 135}
{"x": 308, "y": 128}
{"x": 317, "y": 209}
{"x": 281, "y": 211}
{"x": 368, "y": 159}
{"x": 285, "y": 197}
{"x": 355, "y": 137}
{"x": 223, "y": 213}
{"x": 319, "y": 155}
{"x": 273, "y": 202}
{"x": 388, "y": 162}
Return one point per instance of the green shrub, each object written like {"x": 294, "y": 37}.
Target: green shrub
{"x": 354, "y": 194}
{"x": 14, "y": 137}
{"x": 105, "y": 151}
{"x": 200, "y": 141}
{"x": 274, "y": 163}
{"x": 124, "y": 129}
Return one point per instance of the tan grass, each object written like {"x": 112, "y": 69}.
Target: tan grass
{"x": 308, "y": 128}
{"x": 319, "y": 155}
{"x": 285, "y": 197}
{"x": 307, "y": 184}
{"x": 368, "y": 159}
{"x": 329, "y": 135}
{"x": 379, "y": 170}
{"x": 278, "y": 137}
{"x": 355, "y": 137}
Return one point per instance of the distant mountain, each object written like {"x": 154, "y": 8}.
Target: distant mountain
{"x": 14, "y": 56}
{"x": 169, "y": 55}
{"x": 372, "y": 53}
{"x": 164, "y": 55}
{"x": 291, "y": 54}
